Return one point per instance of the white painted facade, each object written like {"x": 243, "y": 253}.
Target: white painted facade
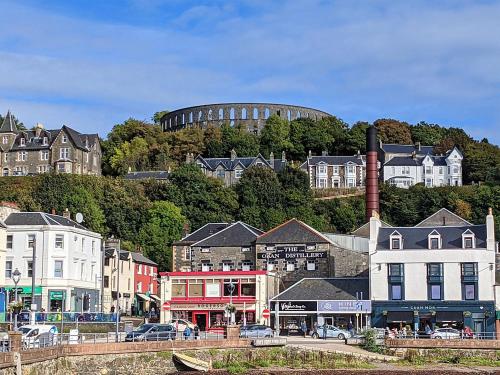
{"x": 67, "y": 259}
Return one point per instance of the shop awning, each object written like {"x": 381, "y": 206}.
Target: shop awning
{"x": 449, "y": 316}
{"x": 400, "y": 317}
{"x": 143, "y": 296}
{"x": 154, "y": 296}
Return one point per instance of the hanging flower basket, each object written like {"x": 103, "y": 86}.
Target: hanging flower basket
{"x": 16, "y": 307}
{"x": 230, "y": 309}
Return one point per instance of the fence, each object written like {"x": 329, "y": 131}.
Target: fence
{"x": 445, "y": 335}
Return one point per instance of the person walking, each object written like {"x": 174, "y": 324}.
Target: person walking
{"x": 303, "y": 326}
{"x": 350, "y": 328}
{"x": 325, "y": 331}
{"x": 196, "y": 330}
{"x": 187, "y": 333}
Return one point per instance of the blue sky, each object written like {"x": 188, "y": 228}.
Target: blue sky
{"x": 92, "y": 64}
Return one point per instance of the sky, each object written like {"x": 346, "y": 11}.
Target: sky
{"x": 93, "y": 64}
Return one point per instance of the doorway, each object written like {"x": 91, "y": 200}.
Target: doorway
{"x": 201, "y": 321}
{"x": 479, "y": 328}
{"x": 328, "y": 320}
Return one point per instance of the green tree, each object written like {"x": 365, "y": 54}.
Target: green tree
{"x": 275, "y": 136}
{"x": 131, "y": 155}
{"x": 481, "y": 163}
{"x": 453, "y": 137}
{"x": 164, "y": 224}
{"x": 356, "y": 138}
{"x": 427, "y": 134}
{"x": 393, "y": 131}
{"x": 157, "y": 116}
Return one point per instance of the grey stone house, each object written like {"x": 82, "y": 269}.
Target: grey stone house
{"x": 231, "y": 169}
{"x": 28, "y": 152}
{"x": 230, "y": 247}
{"x": 335, "y": 171}
{"x": 294, "y": 251}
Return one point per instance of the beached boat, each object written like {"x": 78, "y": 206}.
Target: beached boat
{"x": 192, "y": 363}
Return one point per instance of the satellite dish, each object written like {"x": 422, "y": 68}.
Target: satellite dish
{"x": 79, "y": 218}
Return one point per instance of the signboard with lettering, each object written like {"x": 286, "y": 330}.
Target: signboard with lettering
{"x": 297, "y": 306}
{"x": 291, "y": 252}
{"x": 209, "y": 306}
{"x": 348, "y": 306}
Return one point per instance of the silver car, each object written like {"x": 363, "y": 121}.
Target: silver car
{"x": 445, "y": 333}
{"x": 331, "y": 332}
{"x": 256, "y": 330}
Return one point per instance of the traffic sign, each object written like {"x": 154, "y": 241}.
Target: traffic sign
{"x": 165, "y": 306}
{"x": 266, "y": 313}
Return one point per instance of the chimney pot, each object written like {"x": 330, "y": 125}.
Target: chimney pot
{"x": 233, "y": 155}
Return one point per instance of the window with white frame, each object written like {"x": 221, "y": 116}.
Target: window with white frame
{"x": 93, "y": 248}
{"x": 22, "y": 142}
{"x": 440, "y": 170}
{"x": 139, "y": 269}
{"x": 335, "y": 169}
{"x": 9, "y": 241}
{"x": 311, "y": 265}
{"x": 396, "y": 241}
{"x": 205, "y": 266}
{"x": 64, "y": 153}
{"x": 322, "y": 169}
{"x": 31, "y": 241}
{"x": 351, "y": 182}
{"x": 350, "y": 169}
{"x": 434, "y": 240}
{"x": 290, "y": 265}
{"x": 468, "y": 240}
{"x": 270, "y": 265}
{"x": 245, "y": 249}
{"x": 59, "y": 243}
{"x": 187, "y": 253}
{"x": 45, "y": 141}
{"x": 238, "y": 173}
{"x": 6, "y": 157}
{"x": 64, "y": 138}
{"x": 226, "y": 266}
{"x": 246, "y": 265}
{"x": 8, "y": 269}
{"x": 322, "y": 183}
{"x": 151, "y": 271}
{"x": 58, "y": 268}
{"x": 5, "y": 140}
{"x": 22, "y": 155}
{"x": 428, "y": 170}
{"x": 44, "y": 155}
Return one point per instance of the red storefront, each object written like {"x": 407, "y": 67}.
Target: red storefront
{"x": 206, "y": 298}
{"x": 146, "y": 284}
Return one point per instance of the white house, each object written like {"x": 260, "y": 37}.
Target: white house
{"x": 433, "y": 274}
{"x": 407, "y": 165}
{"x": 67, "y": 266}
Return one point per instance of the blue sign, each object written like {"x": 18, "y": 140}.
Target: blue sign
{"x": 349, "y": 306}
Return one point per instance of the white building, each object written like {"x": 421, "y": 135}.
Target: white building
{"x": 67, "y": 266}
{"x": 435, "y": 273}
{"x": 407, "y": 165}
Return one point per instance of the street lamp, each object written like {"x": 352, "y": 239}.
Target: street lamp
{"x": 231, "y": 290}
{"x": 16, "y": 276}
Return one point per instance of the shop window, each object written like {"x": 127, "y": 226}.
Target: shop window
{"x": 248, "y": 288}
{"x": 217, "y": 319}
{"x": 179, "y": 288}
{"x": 212, "y": 288}
{"x": 230, "y": 287}
{"x": 311, "y": 265}
{"x": 186, "y": 315}
{"x": 195, "y": 288}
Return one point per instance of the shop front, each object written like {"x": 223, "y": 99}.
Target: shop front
{"x": 57, "y": 300}
{"x": 289, "y": 315}
{"x": 417, "y": 315}
{"x": 341, "y": 313}
{"x": 213, "y": 316}
{"x": 24, "y": 294}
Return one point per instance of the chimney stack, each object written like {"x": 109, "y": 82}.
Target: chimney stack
{"x": 233, "y": 155}
{"x": 372, "y": 199}
{"x": 271, "y": 159}
{"x": 67, "y": 214}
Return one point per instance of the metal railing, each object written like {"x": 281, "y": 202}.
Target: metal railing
{"x": 460, "y": 335}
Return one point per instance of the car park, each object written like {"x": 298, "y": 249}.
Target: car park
{"x": 331, "y": 332}
{"x": 446, "y": 333}
{"x": 256, "y": 331}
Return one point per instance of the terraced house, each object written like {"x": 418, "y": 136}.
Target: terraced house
{"x": 231, "y": 169}
{"x": 64, "y": 150}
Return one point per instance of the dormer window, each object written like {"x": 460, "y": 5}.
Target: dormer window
{"x": 396, "y": 241}
{"x": 22, "y": 142}
{"x": 434, "y": 240}
{"x": 45, "y": 141}
{"x": 468, "y": 239}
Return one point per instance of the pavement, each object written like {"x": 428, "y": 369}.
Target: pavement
{"x": 336, "y": 346}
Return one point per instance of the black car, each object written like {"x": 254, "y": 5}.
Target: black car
{"x": 152, "y": 332}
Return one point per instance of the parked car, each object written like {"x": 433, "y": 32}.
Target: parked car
{"x": 141, "y": 332}
{"x": 38, "y": 335}
{"x": 181, "y": 324}
{"x": 256, "y": 330}
{"x": 331, "y": 332}
{"x": 446, "y": 333}
{"x": 161, "y": 332}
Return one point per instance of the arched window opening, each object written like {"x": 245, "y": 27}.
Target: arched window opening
{"x": 298, "y": 114}
{"x": 191, "y": 117}
{"x": 255, "y": 114}
{"x": 266, "y": 113}
{"x": 244, "y": 114}
{"x": 289, "y": 115}
{"x": 183, "y": 119}
{"x": 221, "y": 114}
{"x": 176, "y": 122}
{"x": 200, "y": 115}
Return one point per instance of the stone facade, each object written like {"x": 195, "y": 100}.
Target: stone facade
{"x": 335, "y": 171}
{"x": 252, "y": 116}
{"x": 223, "y": 258}
{"x": 40, "y": 151}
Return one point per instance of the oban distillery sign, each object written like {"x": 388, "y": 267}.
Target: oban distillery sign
{"x": 291, "y": 252}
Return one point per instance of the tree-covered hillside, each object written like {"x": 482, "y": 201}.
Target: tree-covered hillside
{"x": 137, "y": 145}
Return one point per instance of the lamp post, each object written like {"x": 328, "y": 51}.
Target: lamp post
{"x": 231, "y": 290}
{"x": 16, "y": 276}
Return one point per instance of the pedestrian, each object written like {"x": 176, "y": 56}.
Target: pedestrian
{"x": 325, "y": 331}
{"x": 315, "y": 327}
{"x": 428, "y": 329}
{"x": 196, "y": 330}
{"x": 303, "y": 327}
{"x": 350, "y": 328}
{"x": 187, "y": 333}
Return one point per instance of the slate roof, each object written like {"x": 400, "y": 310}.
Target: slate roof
{"x": 8, "y": 124}
{"x": 417, "y": 237}
{"x": 407, "y": 149}
{"x": 330, "y": 289}
{"x": 40, "y": 218}
{"x": 334, "y": 160}
{"x": 409, "y": 161}
{"x": 235, "y": 235}
{"x": 441, "y": 214}
{"x": 139, "y": 258}
{"x": 291, "y": 232}
{"x": 142, "y": 175}
{"x": 202, "y": 233}
{"x": 245, "y": 162}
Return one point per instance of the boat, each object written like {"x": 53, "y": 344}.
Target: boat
{"x": 192, "y": 363}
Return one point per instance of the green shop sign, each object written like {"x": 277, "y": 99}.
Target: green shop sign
{"x": 24, "y": 290}
{"x": 57, "y": 295}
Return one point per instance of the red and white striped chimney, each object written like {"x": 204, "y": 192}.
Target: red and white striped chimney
{"x": 372, "y": 200}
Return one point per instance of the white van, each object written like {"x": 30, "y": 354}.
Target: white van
{"x": 38, "y": 335}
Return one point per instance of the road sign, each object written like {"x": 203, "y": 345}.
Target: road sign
{"x": 165, "y": 306}
{"x": 266, "y": 313}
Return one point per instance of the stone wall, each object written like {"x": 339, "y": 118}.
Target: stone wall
{"x": 443, "y": 344}
{"x": 218, "y": 255}
{"x": 252, "y": 116}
